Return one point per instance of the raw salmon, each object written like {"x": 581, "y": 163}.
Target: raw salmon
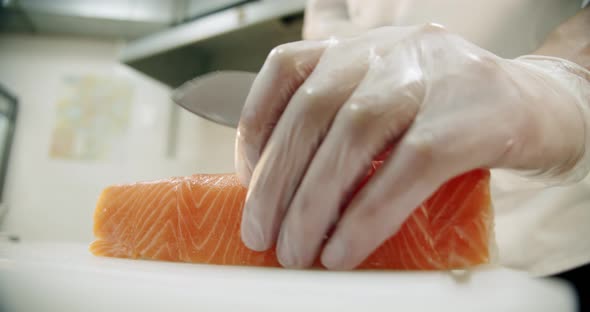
{"x": 197, "y": 219}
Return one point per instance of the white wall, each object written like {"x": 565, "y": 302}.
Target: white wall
{"x": 52, "y": 199}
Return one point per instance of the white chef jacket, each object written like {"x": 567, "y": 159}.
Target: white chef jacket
{"x": 543, "y": 230}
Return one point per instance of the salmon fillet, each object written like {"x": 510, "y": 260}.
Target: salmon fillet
{"x": 197, "y": 219}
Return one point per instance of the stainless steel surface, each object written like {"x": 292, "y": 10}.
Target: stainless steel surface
{"x": 217, "y": 96}
{"x": 170, "y": 41}
{"x": 105, "y": 18}
{"x": 238, "y": 38}
{"x": 217, "y": 24}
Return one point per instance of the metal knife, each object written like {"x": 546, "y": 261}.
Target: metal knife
{"x": 217, "y": 96}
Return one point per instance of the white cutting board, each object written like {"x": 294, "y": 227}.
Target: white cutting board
{"x": 66, "y": 277}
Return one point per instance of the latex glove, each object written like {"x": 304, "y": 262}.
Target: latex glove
{"x": 319, "y": 112}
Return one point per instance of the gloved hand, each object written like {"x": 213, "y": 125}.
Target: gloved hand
{"x": 320, "y": 111}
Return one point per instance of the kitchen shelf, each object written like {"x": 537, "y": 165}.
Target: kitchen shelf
{"x": 238, "y": 38}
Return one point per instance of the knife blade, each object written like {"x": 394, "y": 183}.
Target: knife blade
{"x": 217, "y": 96}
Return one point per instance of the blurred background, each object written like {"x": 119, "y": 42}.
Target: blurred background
{"x": 85, "y": 98}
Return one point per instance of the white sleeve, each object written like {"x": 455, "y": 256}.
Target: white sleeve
{"x": 585, "y": 3}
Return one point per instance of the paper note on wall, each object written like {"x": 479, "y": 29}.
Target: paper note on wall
{"x": 92, "y": 117}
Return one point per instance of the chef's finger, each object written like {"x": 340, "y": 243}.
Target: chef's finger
{"x": 293, "y": 143}
{"x": 376, "y": 114}
{"x": 429, "y": 154}
{"x": 284, "y": 70}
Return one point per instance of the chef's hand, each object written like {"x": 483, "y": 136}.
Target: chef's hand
{"x": 320, "y": 111}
